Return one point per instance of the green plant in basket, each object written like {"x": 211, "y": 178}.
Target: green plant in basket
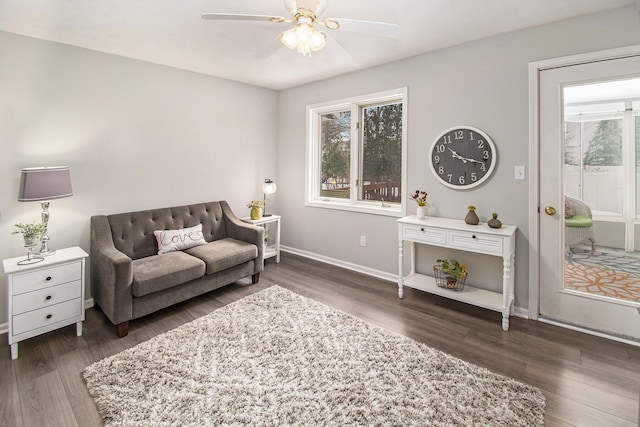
{"x": 452, "y": 268}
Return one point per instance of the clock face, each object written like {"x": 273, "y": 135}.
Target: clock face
{"x": 463, "y": 157}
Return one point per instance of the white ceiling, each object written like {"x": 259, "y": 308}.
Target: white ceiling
{"x": 171, "y": 32}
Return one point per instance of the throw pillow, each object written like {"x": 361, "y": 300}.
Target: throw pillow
{"x": 177, "y": 240}
{"x": 567, "y": 209}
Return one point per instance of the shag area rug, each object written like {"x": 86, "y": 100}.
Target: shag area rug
{"x": 278, "y": 358}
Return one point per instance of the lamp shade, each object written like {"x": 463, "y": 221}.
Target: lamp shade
{"x": 45, "y": 183}
{"x": 269, "y": 187}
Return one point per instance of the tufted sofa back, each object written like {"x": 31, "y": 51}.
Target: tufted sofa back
{"x": 132, "y": 232}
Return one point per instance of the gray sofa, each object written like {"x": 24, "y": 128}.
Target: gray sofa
{"x": 130, "y": 280}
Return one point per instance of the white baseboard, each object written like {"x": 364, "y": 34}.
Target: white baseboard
{"x": 393, "y": 278}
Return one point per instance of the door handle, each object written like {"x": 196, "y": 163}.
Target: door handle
{"x": 550, "y": 210}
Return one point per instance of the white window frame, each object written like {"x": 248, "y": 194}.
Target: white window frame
{"x": 314, "y": 160}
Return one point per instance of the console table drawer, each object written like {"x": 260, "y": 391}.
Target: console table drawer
{"x": 46, "y": 297}
{"x": 38, "y": 318}
{"x": 424, "y": 234}
{"x": 46, "y": 277}
{"x": 476, "y": 242}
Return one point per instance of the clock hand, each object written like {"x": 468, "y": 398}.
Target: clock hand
{"x": 464, "y": 159}
{"x": 456, "y": 155}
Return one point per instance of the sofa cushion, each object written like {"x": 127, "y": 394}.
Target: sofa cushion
{"x": 177, "y": 240}
{"x": 158, "y": 272}
{"x": 225, "y": 253}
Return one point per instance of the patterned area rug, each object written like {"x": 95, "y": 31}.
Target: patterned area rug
{"x": 277, "y": 358}
{"x": 601, "y": 273}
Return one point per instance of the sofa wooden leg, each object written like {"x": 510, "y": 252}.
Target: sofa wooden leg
{"x": 123, "y": 329}
{"x": 255, "y": 278}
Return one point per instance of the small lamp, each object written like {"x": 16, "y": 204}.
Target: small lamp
{"x": 269, "y": 187}
{"x": 41, "y": 185}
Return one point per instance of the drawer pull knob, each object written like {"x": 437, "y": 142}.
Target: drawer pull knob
{"x": 48, "y": 297}
{"x": 422, "y": 229}
{"x": 48, "y": 278}
{"x": 474, "y": 236}
{"x": 49, "y": 316}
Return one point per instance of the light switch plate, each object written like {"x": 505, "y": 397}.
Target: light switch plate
{"x": 519, "y": 174}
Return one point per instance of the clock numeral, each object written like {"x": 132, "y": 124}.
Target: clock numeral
{"x": 483, "y": 167}
{"x": 480, "y": 144}
{"x": 474, "y": 176}
{"x": 441, "y": 170}
{"x": 440, "y": 148}
{"x": 449, "y": 176}
{"x": 446, "y": 139}
{"x": 471, "y": 135}
{"x": 461, "y": 180}
{"x": 436, "y": 159}
{"x": 485, "y": 155}
{"x": 459, "y": 134}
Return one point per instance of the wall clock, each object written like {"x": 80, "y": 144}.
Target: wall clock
{"x": 463, "y": 157}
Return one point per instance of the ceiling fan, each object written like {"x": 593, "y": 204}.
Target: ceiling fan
{"x": 304, "y": 37}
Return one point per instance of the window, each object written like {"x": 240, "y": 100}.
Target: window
{"x": 357, "y": 153}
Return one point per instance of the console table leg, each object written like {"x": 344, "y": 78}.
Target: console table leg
{"x": 79, "y": 329}
{"x": 14, "y": 351}
{"x": 400, "y": 260}
{"x": 505, "y": 320}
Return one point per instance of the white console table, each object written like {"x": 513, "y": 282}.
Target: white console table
{"x": 456, "y": 234}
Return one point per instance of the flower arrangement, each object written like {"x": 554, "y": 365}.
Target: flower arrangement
{"x": 420, "y": 197}
{"x": 452, "y": 268}
{"x": 255, "y": 204}
{"x": 471, "y": 208}
{"x": 30, "y": 232}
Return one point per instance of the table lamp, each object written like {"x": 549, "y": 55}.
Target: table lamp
{"x": 43, "y": 184}
{"x": 269, "y": 187}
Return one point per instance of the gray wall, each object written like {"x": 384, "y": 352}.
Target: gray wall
{"x": 482, "y": 84}
{"x": 136, "y": 136}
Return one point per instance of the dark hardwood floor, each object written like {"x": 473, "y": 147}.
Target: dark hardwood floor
{"x": 587, "y": 381}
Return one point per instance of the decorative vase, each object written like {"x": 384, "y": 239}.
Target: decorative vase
{"x": 421, "y": 213}
{"x": 472, "y": 218}
{"x": 494, "y": 223}
{"x": 256, "y": 212}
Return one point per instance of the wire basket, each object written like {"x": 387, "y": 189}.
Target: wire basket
{"x": 449, "y": 282}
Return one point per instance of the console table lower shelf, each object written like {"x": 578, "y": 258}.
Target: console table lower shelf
{"x": 469, "y": 295}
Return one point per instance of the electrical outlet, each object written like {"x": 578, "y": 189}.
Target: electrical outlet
{"x": 363, "y": 240}
{"x": 519, "y": 172}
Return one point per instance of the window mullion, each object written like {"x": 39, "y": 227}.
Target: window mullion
{"x": 354, "y": 172}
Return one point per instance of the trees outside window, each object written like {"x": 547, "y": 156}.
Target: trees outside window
{"x": 357, "y": 153}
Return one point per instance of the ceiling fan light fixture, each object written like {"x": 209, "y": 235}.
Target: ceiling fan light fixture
{"x": 304, "y": 38}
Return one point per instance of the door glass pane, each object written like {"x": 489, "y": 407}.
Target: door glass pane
{"x": 335, "y": 147}
{"x": 382, "y": 153}
{"x": 602, "y": 166}
{"x": 636, "y": 108}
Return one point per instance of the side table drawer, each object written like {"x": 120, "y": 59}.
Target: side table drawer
{"x": 46, "y": 277}
{"x": 46, "y": 297}
{"x": 38, "y": 318}
{"x": 424, "y": 234}
{"x": 476, "y": 242}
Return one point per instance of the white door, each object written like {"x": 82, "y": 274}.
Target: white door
{"x": 557, "y": 301}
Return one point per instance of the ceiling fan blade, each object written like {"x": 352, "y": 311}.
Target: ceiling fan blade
{"x": 381, "y": 29}
{"x": 242, "y": 17}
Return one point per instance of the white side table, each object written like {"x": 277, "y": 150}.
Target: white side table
{"x": 271, "y": 226}
{"x": 44, "y": 296}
